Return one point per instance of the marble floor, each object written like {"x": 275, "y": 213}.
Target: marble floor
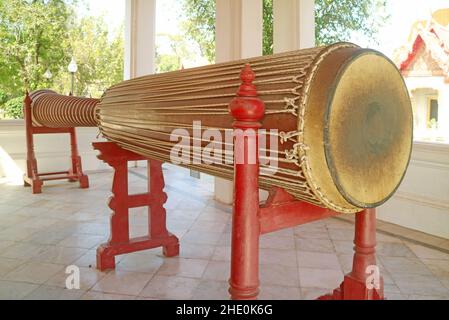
{"x": 40, "y": 235}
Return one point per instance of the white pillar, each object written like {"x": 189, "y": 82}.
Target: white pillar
{"x": 140, "y": 35}
{"x": 239, "y": 31}
{"x": 293, "y": 25}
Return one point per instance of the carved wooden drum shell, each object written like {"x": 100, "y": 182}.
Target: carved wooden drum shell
{"x": 341, "y": 114}
{"x": 54, "y": 110}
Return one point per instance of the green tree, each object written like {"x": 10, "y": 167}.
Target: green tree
{"x": 199, "y": 25}
{"x": 267, "y": 40}
{"x": 99, "y": 56}
{"x": 36, "y": 35}
{"x": 13, "y": 109}
{"x": 172, "y": 59}
{"x": 30, "y": 38}
{"x": 335, "y": 21}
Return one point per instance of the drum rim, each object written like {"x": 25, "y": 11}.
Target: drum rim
{"x": 308, "y": 165}
{"x": 328, "y": 108}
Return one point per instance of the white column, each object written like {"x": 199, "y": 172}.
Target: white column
{"x": 140, "y": 35}
{"x": 293, "y": 25}
{"x": 239, "y": 30}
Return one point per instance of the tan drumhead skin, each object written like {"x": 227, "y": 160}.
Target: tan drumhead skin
{"x": 367, "y": 128}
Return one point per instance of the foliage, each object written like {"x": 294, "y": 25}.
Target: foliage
{"x": 335, "y": 20}
{"x": 99, "y": 59}
{"x": 40, "y": 35}
{"x": 30, "y": 35}
{"x": 171, "y": 59}
{"x": 167, "y": 62}
{"x": 200, "y": 25}
{"x": 13, "y": 109}
{"x": 3, "y": 97}
{"x": 267, "y": 40}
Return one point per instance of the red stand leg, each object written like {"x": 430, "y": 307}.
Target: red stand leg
{"x": 364, "y": 281}
{"x": 247, "y": 110}
{"x": 281, "y": 210}
{"x": 76, "y": 169}
{"x": 120, "y": 202}
{"x": 32, "y": 177}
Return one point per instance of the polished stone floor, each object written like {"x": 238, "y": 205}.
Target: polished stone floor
{"x": 40, "y": 235}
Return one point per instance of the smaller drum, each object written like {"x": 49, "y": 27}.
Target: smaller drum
{"x": 53, "y": 110}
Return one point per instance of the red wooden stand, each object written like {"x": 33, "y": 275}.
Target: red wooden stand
{"x": 119, "y": 241}
{"x": 35, "y": 179}
{"x": 250, "y": 220}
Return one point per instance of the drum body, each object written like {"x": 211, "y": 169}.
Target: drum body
{"x": 53, "y": 110}
{"x": 340, "y": 115}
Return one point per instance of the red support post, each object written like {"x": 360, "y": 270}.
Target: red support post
{"x": 364, "y": 282}
{"x": 281, "y": 210}
{"x": 32, "y": 177}
{"x": 247, "y": 109}
{"x": 119, "y": 241}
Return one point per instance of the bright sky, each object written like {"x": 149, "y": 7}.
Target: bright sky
{"x": 403, "y": 14}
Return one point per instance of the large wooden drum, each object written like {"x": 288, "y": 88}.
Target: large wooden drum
{"x": 53, "y": 110}
{"x": 343, "y": 116}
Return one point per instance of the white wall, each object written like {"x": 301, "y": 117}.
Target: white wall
{"x": 293, "y": 25}
{"x": 420, "y": 88}
{"x": 422, "y": 200}
{"x": 52, "y": 150}
{"x": 239, "y": 28}
{"x": 140, "y": 34}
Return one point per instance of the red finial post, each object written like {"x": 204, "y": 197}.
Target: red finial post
{"x": 247, "y": 110}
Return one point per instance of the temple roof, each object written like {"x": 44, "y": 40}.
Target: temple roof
{"x": 431, "y": 36}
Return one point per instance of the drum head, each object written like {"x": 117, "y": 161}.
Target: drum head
{"x": 367, "y": 129}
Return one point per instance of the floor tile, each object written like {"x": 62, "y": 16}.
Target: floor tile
{"x": 60, "y": 255}
{"x": 140, "y": 263}
{"x": 217, "y": 270}
{"x": 318, "y": 260}
{"x": 10, "y": 290}
{"x": 95, "y": 295}
{"x": 33, "y": 272}
{"x": 169, "y": 287}
{"x": 222, "y": 253}
{"x": 192, "y": 268}
{"x": 428, "y": 253}
{"x": 54, "y": 293}
{"x": 270, "y": 241}
{"x": 278, "y": 275}
{"x": 196, "y": 251}
{"x": 400, "y": 265}
{"x": 82, "y": 241}
{"x": 273, "y": 292}
{"x": 320, "y": 278}
{"x": 88, "y": 278}
{"x": 211, "y": 290}
{"x": 7, "y": 265}
{"x": 314, "y": 293}
{"x": 315, "y": 245}
{"x": 419, "y": 284}
{"x": 122, "y": 282}
{"x": 64, "y": 225}
{"x": 438, "y": 267}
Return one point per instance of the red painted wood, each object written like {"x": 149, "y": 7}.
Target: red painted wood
{"x": 354, "y": 285}
{"x": 247, "y": 110}
{"x": 283, "y": 211}
{"x": 35, "y": 179}
{"x": 119, "y": 241}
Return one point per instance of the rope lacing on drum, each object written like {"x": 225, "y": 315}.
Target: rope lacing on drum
{"x": 291, "y": 106}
